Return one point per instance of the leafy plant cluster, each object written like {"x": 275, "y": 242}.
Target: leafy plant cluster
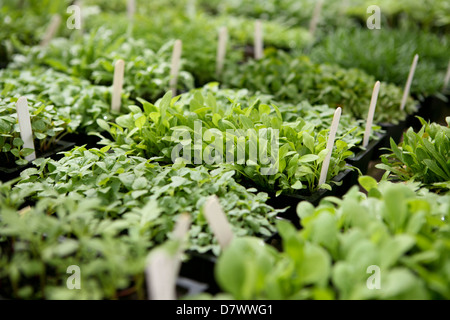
{"x": 201, "y": 31}
{"x": 128, "y": 185}
{"x": 387, "y": 54}
{"x": 26, "y": 21}
{"x": 74, "y": 98}
{"x": 350, "y": 130}
{"x": 164, "y": 128}
{"x": 294, "y": 79}
{"x": 429, "y": 15}
{"x": 93, "y": 57}
{"x": 292, "y": 12}
{"x": 103, "y": 212}
{"x": 422, "y": 157}
{"x": 398, "y": 231}
{"x": 48, "y": 125}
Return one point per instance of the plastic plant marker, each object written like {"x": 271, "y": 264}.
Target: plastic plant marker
{"x": 24, "y": 211}
{"x": 160, "y": 276}
{"x": 330, "y": 144}
{"x": 51, "y": 30}
{"x": 182, "y": 226}
{"x": 119, "y": 71}
{"x": 373, "y": 104}
{"x": 315, "y": 18}
{"x": 259, "y": 46}
{"x": 79, "y": 3}
{"x": 409, "y": 82}
{"x": 191, "y": 9}
{"x": 218, "y": 221}
{"x": 179, "y": 233}
{"x": 131, "y": 10}
{"x": 221, "y": 50}
{"x": 26, "y": 133}
{"x": 176, "y": 56}
{"x": 447, "y": 77}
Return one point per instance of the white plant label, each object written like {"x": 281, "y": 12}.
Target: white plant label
{"x": 26, "y": 133}
{"x": 131, "y": 10}
{"x": 179, "y": 233}
{"x": 218, "y": 221}
{"x": 259, "y": 45}
{"x": 160, "y": 276}
{"x": 119, "y": 71}
{"x": 373, "y": 104}
{"x": 315, "y": 17}
{"x": 221, "y": 50}
{"x": 79, "y": 5}
{"x": 182, "y": 226}
{"x": 330, "y": 145}
{"x": 447, "y": 77}
{"x": 175, "y": 69}
{"x": 51, "y": 30}
{"x": 409, "y": 82}
{"x": 191, "y": 9}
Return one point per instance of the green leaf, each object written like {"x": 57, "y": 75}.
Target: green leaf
{"x": 368, "y": 183}
{"x": 140, "y": 122}
{"x": 297, "y": 185}
{"x": 17, "y": 142}
{"x": 308, "y": 158}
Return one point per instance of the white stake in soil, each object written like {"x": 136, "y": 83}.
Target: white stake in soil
{"x": 176, "y": 56}
{"x": 119, "y": 71}
{"x": 330, "y": 144}
{"x": 409, "y": 82}
{"x": 179, "y": 233}
{"x": 131, "y": 10}
{"x": 218, "y": 221}
{"x": 447, "y": 77}
{"x": 315, "y": 17}
{"x": 221, "y": 50}
{"x": 160, "y": 276}
{"x": 373, "y": 104}
{"x": 259, "y": 45}
{"x": 51, "y": 30}
{"x": 26, "y": 133}
{"x": 79, "y": 4}
{"x": 163, "y": 269}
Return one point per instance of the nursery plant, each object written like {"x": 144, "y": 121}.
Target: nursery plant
{"x": 387, "y": 54}
{"x": 274, "y": 155}
{"x": 422, "y": 156}
{"x": 396, "y": 229}
{"x": 130, "y": 187}
{"x": 293, "y": 79}
{"x": 92, "y": 57}
{"x": 350, "y": 130}
{"x": 48, "y": 125}
{"x": 75, "y": 99}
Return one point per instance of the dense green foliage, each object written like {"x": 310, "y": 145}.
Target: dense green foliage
{"x": 387, "y": 55}
{"x": 423, "y": 156}
{"x": 395, "y": 233}
{"x": 294, "y": 79}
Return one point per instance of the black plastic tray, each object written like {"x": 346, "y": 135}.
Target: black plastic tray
{"x": 432, "y": 109}
{"x": 200, "y": 266}
{"x": 362, "y": 159}
{"x": 394, "y": 131}
{"x": 291, "y": 201}
{"x": 9, "y": 173}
